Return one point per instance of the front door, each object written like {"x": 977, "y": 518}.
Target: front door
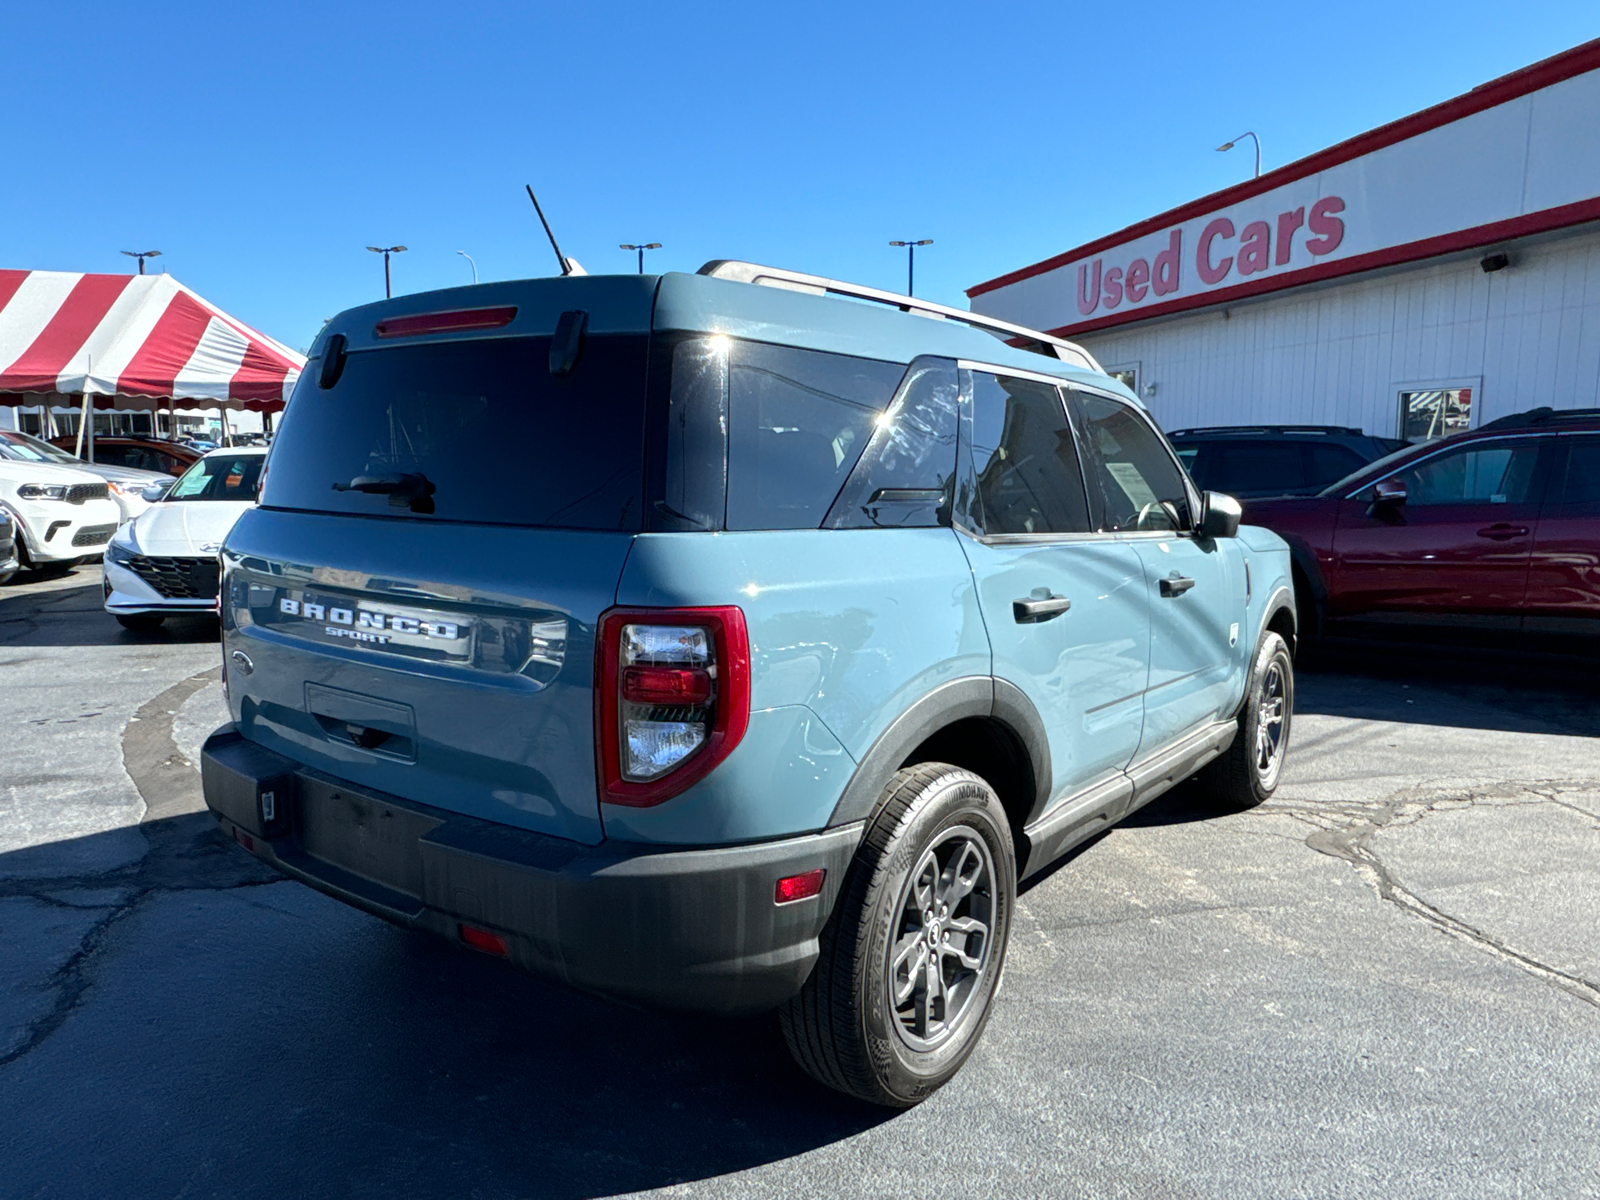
{"x": 1564, "y": 575}
{"x": 1065, "y": 606}
{"x": 1195, "y": 588}
{"x": 1458, "y": 544}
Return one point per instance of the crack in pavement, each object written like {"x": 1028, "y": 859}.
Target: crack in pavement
{"x": 170, "y": 787}
{"x": 1351, "y": 841}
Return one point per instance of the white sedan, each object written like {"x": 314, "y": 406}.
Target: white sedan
{"x": 164, "y": 562}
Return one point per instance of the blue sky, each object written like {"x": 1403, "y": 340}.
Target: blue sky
{"x": 261, "y": 147}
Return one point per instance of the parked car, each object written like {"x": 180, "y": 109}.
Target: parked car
{"x": 794, "y": 635}
{"x": 126, "y": 486}
{"x": 9, "y": 563}
{"x": 1249, "y": 461}
{"x": 165, "y": 563}
{"x": 64, "y": 515}
{"x": 1498, "y": 528}
{"x": 141, "y": 453}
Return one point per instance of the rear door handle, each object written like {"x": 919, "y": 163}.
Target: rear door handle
{"x": 1501, "y": 532}
{"x": 1175, "y": 585}
{"x": 1031, "y": 612}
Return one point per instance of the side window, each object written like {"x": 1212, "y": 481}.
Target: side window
{"x": 1486, "y": 473}
{"x": 1581, "y": 495}
{"x": 1331, "y": 463}
{"x": 695, "y": 487}
{"x": 1139, "y": 484}
{"x": 1024, "y": 462}
{"x": 1260, "y": 468}
{"x": 798, "y": 421}
{"x": 904, "y": 479}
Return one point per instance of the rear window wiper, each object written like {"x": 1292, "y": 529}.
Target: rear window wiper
{"x": 412, "y": 490}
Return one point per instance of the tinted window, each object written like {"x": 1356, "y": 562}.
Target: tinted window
{"x": 225, "y": 477}
{"x": 1024, "y": 462}
{"x": 904, "y": 477}
{"x": 501, "y": 439}
{"x": 798, "y": 421}
{"x": 1330, "y": 462}
{"x": 1497, "y": 473}
{"x": 1139, "y": 484}
{"x": 1581, "y": 495}
{"x": 1255, "y": 468}
{"x": 694, "y": 489}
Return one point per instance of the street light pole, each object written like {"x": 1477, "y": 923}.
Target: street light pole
{"x": 1240, "y": 138}
{"x": 141, "y": 255}
{"x": 641, "y": 248}
{"x": 388, "y": 292}
{"x": 911, "y": 262}
{"x": 468, "y": 257}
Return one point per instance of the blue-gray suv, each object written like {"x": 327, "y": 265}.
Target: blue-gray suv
{"x": 732, "y": 642}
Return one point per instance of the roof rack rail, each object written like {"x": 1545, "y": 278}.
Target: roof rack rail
{"x": 819, "y": 285}
{"x": 1350, "y": 430}
{"x": 1543, "y": 415}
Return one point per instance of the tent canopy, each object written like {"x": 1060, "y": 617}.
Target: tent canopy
{"x": 132, "y": 341}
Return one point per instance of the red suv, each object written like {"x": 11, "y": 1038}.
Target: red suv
{"x": 1497, "y": 529}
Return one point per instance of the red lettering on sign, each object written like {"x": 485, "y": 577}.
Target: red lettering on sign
{"x": 1255, "y": 246}
{"x": 1113, "y": 288}
{"x": 1088, "y": 297}
{"x": 1287, "y": 223}
{"x": 1167, "y": 264}
{"x": 1137, "y": 278}
{"x": 1328, "y": 228}
{"x": 1209, "y": 272}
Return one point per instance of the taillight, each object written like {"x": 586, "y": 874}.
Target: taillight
{"x": 672, "y": 698}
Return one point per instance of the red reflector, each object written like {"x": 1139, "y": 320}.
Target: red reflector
{"x": 799, "y": 887}
{"x": 446, "y": 322}
{"x": 666, "y": 685}
{"x": 482, "y": 939}
{"x": 244, "y": 839}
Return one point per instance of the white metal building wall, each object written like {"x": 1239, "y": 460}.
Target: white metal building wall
{"x": 1521, "y": 337}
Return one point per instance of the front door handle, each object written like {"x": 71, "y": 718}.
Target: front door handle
{"x": 1031, "y": 611}
{"x": 1502, "y": 532}
{"x": 1175, "y": 585}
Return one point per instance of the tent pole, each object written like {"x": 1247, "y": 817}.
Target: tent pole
{"x": 82, "y": 421}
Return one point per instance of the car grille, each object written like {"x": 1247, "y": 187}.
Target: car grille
{"x": 80, "y": 492}
{"x": 93, "y": 535}
{"x": 178, "y": 578}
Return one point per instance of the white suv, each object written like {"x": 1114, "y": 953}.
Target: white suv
{"x": 64, "y": 515}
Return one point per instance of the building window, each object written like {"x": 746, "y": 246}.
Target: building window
{"x": 1427, "y": 413}
{"x": 1127, "y": 375}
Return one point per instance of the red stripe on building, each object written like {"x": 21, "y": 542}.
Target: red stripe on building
{"x": 10, "y": 281}
{"x": 260, "y": 375}
{"x": 80, "y": 313}
{"x": 1569, "y": 63}
{"x": 166, "y": 350}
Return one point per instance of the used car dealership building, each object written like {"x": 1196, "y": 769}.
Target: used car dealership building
{"x": 1416, "y": 280}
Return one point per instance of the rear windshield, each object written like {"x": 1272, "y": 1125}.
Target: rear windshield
{"x": 476, "y": 430}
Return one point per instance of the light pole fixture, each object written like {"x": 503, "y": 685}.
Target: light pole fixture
{"x": 468, "y": 257}
{"x": 1240, "y": 138}
{"x": 386, "y": 251}
{"x": 911, "y": 262}
{"x": 641, "y": 248}
{"x": 141, "y": 255}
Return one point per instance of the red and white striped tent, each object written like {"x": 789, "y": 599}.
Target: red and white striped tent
{"x": 132, "y": 342}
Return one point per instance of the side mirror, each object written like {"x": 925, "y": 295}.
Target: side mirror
{"x": 157, "y": 491}
{"x": 1220, "y": 516}
{"x": 1389, "y": 491}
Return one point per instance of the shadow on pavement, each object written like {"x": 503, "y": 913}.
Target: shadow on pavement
{"x": 228, "y": 1032}
{"x": 62, "y": 611}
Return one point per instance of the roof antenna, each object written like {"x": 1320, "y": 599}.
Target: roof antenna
{"x": 569, "y": 266}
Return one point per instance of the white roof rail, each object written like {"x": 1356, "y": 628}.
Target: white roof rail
{"x": 818, "y": 285}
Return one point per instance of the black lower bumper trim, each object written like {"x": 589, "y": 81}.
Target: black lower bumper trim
{"x": 693, "y": 929}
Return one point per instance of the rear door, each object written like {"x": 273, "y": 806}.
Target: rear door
{"x": 1194, "y": 588}
{"x": 440, "y": 529}
{"x": 1459, "y": 545}
{"x": 1564, "y": 572}
{"x": 1064, "y": 605}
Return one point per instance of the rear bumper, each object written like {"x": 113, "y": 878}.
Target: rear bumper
{"x": 688, "y": 929}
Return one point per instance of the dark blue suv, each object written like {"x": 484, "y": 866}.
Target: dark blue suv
{"x": 732, "y": 641}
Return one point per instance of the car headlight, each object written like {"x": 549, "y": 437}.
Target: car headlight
{"x": 42, "y": 491}
{"x": 125, "y": 489}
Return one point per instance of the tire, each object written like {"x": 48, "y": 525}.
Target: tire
{"x": 141, "y": 622}
{"x": 936, "y": 828}
{"x": 1249, "y": 770}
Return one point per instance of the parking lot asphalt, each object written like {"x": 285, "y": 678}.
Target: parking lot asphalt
{"x": 1383, "y": 982}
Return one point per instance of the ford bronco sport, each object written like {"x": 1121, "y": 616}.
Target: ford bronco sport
{"x": 733, "y": 642}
